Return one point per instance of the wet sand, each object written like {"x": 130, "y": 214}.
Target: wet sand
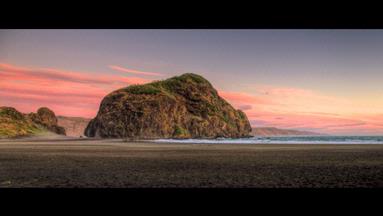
{"x": 114, "y": 163}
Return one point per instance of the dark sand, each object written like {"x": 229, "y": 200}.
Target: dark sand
{"x": 113, "y": 163}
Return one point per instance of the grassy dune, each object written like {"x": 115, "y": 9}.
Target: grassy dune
{"x": 15, "y": 124}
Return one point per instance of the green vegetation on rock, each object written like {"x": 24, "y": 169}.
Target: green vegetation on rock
{"x": 158, "y": 109}
{"x": 47, "y": 119}
{"x": 167, "y": 87}
{"x": 180, "y": 132}
{"x": 143, "y": 89}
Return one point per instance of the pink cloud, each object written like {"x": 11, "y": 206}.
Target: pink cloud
{"x": 8, "y": 71}
{"x": 324, "y": 124}
{"x": 75, "y": 93}
{"x": 245, "y": 107}
{"x": 71, "y": 93}
{"x": 121, "y": 69}
{"x": 306, "y": 110}
{"x": 243, "y": 97}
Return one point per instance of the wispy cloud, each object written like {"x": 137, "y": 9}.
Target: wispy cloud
{"x": 305, "y": 109}
{"x": 127, "y": 70}
{"x": 245, "y": 107}
{"x": 12, "y": 72}
{"x": 243, "y": 97}
{"x": 79, "y": 93}
{"x": 71, "y": 93}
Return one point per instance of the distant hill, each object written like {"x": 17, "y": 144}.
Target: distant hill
{"x": 74, "y": 126}
{"x": 272, "y": 131}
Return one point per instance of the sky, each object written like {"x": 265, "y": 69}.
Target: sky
{"x": 326, "y": 81}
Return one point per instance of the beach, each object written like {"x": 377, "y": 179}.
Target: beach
{"x": 113, "y": 163}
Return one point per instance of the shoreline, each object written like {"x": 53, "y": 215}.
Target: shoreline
{"x": 156, "y": 142}
{"x": 168, "y": 141}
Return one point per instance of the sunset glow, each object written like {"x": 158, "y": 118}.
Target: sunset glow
{"x": 318, "y": 94}
{"x": 67, "y": 92}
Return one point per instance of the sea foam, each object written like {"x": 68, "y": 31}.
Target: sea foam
{"x": 284, "y": 140}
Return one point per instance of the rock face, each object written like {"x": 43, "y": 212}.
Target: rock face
{"x": 16, "y": 124}
{"x": 47, "y": 118}
{"x": 74, "y": 126}
{"x": 185, "y": 106}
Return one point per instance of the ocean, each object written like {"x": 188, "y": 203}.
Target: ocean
{"x": 284, "y": 140}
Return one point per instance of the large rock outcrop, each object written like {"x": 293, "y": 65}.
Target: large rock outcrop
{"x": 185, "y": 106}
{"x": 47, "y": 118}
